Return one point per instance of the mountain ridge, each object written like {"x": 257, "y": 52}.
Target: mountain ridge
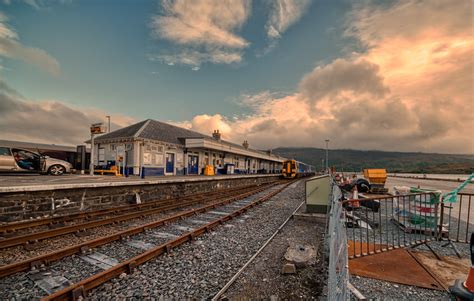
{"x": 356, "y": 160}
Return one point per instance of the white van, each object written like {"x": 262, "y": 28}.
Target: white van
{"x": 22, "y": 160}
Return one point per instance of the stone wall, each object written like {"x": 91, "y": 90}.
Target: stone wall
{"x": 15, "y": 206}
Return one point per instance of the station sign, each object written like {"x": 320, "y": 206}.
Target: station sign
{"x": 97, "y": 128}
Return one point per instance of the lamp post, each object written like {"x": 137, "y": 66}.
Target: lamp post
{"x": 91, "y": 164}
{"x": 327, "y": 159}
{"x": 96, "y": 128}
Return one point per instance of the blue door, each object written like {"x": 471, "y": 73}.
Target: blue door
{"x": 169, "y": 163}
{"x": 193, "y": 165}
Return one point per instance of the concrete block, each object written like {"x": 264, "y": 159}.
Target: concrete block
{"x": 288, "y": 268}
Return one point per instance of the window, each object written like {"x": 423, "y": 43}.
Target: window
{"x": 4, "y": 151}
{"x": 26, "y": 159}
{"x": 113, "y": 147}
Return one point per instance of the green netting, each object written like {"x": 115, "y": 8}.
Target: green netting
{"x": 452, "y": 196}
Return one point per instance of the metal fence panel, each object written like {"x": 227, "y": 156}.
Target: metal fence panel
{"x": 338, "y": 269}
{"x": 387, "y": 223}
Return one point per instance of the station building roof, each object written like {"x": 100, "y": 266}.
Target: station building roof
{"x": 160, "y": 131}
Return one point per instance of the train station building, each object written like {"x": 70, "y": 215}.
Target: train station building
{"x": 158, "y": 148}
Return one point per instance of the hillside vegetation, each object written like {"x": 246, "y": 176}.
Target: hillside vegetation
{"x": 356, "y": 160}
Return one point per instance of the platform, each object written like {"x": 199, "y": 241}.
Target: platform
{"x": 26, "y": 183}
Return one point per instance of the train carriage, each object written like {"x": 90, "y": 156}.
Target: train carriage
{"x": 295, "y": 169}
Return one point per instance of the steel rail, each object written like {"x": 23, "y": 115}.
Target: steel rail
{"x": 236, "y": 275}
{"x": 25, "y": 239}
{"x": 15, "y": 226}
{"x": 37, "y": 261}
{"x": 79, "y": 290}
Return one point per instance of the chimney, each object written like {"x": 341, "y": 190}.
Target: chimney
{"x": 245, "y": 144}
{"x": 216, "y": 135}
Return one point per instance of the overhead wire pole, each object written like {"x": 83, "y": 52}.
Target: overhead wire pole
{"x": 91, "y": 164}
{"x": 327, "y": 155}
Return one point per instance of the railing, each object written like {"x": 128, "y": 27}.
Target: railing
{"x": 386, "y": 223}
{"x": 338, "y": 269}
{"x": 361, "y": 227}
{"x": 457, "y": 218}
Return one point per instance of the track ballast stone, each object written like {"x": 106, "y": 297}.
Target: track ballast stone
{"x": 199, "y": 269}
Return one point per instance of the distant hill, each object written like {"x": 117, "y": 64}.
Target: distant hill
{"x": 356, "y": 160}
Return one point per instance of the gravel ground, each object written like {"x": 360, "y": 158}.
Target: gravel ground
{"x": 374, "y": 289}
{"x": 262, "y": 280}
{"x": 199, "y": 269}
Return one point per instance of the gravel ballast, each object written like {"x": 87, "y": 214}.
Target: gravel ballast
{"x": 263, "y": 278}
{"x": 118, "y": 250}
{"x": 199, "y": 269}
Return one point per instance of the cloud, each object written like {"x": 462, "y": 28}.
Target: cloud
{"x": 206, "y": 124}
{"x": 283, "y": 14}
{"x": 409, "y": 90}
{"x": 342, "y": 75}
{"x": 48, "y": 121}
{"x": 202, "y": 30}
{"x": 195, "y": 58}
{"x": 10, "y": 47}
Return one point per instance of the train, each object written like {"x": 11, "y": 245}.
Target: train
{"x": 295, "y": 169}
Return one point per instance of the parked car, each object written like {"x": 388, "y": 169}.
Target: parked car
{"x": 22, "y": 160}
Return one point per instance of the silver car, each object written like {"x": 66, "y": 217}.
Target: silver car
{"x": 22, "y": 160}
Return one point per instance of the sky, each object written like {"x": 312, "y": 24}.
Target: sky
{"x": 385, "y": 75}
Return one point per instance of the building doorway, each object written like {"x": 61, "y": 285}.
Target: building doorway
{"x": 193, "y": 164}
{"x": 169, "y": 169}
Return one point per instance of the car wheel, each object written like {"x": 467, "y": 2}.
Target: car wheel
{"x": 56, "y": 170}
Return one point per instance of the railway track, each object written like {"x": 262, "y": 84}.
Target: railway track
{"x": 150, "y": 240}
{"x": 29, "y": 239}
{"x": 15, "y": 228}
{"x": 59, "y": 240}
